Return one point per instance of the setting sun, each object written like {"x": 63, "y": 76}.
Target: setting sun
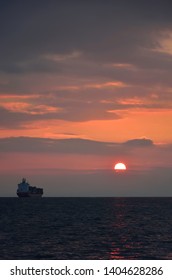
{"x": 120, "y": 166}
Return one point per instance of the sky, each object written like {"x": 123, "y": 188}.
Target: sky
{"x": 84, "y": 85}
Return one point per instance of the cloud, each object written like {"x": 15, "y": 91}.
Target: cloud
{"x": 74, "y": 113}
{"x": 66, "y": 146}
{"x": 9, "y": 118}
{"x": 97, "y": 101}
{"x": 89, "y": 61}
{"x": 143, "y": 142}
{"x": 70, "y": 146}
{"x": 103, "y": 32}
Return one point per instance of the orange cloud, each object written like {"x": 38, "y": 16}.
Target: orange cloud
{"x": 132, "y": 101}
{"x": 28, "y": 108}
{"x": 106, "y": 85}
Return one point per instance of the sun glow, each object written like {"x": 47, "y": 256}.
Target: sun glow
{"x": 120, "y": 166}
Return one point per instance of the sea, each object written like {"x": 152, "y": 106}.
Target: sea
{"x": 103, "y": 228}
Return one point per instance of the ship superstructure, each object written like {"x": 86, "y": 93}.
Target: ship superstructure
{"x": 25, "y": 190}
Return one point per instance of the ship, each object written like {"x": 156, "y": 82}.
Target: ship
{"x": 25, "y": 190}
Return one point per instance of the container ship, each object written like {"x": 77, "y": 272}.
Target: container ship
{"x": 25, "y": 190}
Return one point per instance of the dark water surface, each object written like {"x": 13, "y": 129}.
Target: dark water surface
{"x": 86, "y": 228}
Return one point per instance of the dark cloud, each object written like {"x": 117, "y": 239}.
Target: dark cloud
{"x": 67, "y": 146}
{"x": 144, "y": 142}
{"x": 19, "y": 119}
{"x": 74, "y": 112}
{"x": 70, "y": 146}
{"x": 48, "y": 43}
{"x": 82, "y": 104}
{"x": 113, "y": 31}
{"x": 9, "y": 119}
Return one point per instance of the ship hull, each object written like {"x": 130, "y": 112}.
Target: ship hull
{"x": 20, "y": 194}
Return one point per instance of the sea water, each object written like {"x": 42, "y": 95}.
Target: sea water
{"x": 85, "y": 228}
